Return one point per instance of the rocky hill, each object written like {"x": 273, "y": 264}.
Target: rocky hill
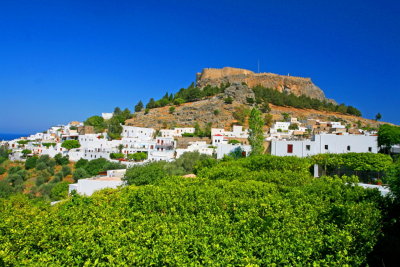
{"x": 215, "y": 111}
{"x": 290, "y": 84}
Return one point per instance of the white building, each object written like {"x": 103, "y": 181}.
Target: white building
{"x": 137, "y": 132}
{"x": 177, "y": 132}
{"x": 90, "y": 185}
{"x": 325, "y": 143}
{"x": 225, "y": 149}
{"x": 199, "y": 146}
{"x": 237, "y": 132}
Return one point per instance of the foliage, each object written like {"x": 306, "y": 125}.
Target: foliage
{"x": 256, "y": 134}
{"x": 25, "y": 152}
{"x": 59, "y": 191}
{"x": 96, "y": 166}
{"x": 188, "y": 135}
{"x": 378, "y": 117}
{"x": 216, "y": 112}
{"x": 139, "y": 106}
{"x": 117, "y": 156}
{"x": 145, "y": 174}
{"x": 3, "y": 154}
{"x": 171, "y": 110}
{"x": 241, "y": 113}
{"x": 23, "y": 142}
{"x": 70, "y": 144}
{"x": 138, "y": 156}
{"x": 284, "y": 99}
{"x": 388, "y": 136}
{"x": 268, "y": 119}
{"x": 182, "y": 222}
{"x": 293, "y": 126}
{"x": 30, "y": 163}
{"x": 285, "y": 116}
{"x": 81, "y": 163}
{"x": 61, "y": 160}
{"x": 228, "y": 100}
{"x": 97, "y": 122}
{"x": 80, "y": 173}
{"x": 47, "y": 145}
{"x": 233, "y": 142}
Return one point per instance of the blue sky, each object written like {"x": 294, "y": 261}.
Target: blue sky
{"x": 67, "y": 60}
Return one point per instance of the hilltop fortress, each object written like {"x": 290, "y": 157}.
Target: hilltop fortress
{"x": 289, "y": 84}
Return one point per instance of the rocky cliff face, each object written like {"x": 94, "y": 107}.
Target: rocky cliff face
{"x": 295, "y": 85}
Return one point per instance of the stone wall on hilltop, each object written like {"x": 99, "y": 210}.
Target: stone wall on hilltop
{"x": 289, "y": 84}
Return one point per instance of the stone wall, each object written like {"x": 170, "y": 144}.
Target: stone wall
{"x": 289, "y": 84}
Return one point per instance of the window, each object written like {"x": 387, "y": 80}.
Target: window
{"x": 289, "y": 148}
{"x": 369, "y": 149}
{"x": 308, "y": 147}
{"x": 326, "y": 147}
{"x": 348, "y": 148}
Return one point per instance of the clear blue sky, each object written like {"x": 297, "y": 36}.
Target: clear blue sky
{"x": 67, "y": 60}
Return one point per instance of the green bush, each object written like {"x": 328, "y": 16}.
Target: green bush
{"x": 183, "y": 222}
{"x": 30, "y": 163}
{"x": 145, "y": 174}
{"x": 117, "y": 156}
{"x": 59, "y": 191}
{"x": 60, "y": 160}
{"x": 2, "y": 170}
{"x": 80, "y": 173}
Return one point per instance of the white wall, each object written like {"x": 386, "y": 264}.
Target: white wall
{"x": 335, "y": 144}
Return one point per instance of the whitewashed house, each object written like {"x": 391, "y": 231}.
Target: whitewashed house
{"x": 199, "y": 146}
{"x": 90, "y": 185}
{"x": 325, "y": 143}
{"x": 137, "y": 132}
{"x": 226, "y": 149}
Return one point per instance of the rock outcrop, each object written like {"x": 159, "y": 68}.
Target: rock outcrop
{"x": 289, "y": 84}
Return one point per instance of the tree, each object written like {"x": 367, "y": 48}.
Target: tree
{"x": 388, "y": 136}
{"x": 265, "y": 108}
{"x": 178, "y": 101}
{"x": 60, "y": 160}
{"x": 25, "y": 152}
{"x": 139, "y": 106}
{"x": 59, "y": 191}
{"x": 97, "y": 122}
{"x": 117, "y": 111}
{"x": 378, "y": 117}
{"x": 256, "y": 135}
{"x": 30, "y": 163}
{"x": 117, "y": 156}
{"x": 70, "y": 144}
{"x": 293, "y": 126}
{"x": 171, "y": 110}
{"x": 120, "y": 147}
{"x": 80, "y": 173}
{"x": 151, "y": 104}
{"x": 216, "y": 112}
{"x": 285, "y": 116}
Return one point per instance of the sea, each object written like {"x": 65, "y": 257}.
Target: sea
{"x": 10, "y": 136}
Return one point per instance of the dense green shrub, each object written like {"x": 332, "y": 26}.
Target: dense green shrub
{"x": 30, "y": 163}
{"x": 60, "y": 160}
{"x": 80, "y": 173}
{"x": 184, "y": 222}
